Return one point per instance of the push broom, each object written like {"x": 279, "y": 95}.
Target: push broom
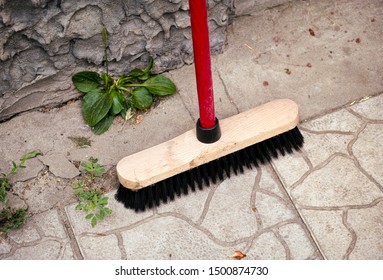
{"x": 214, "y": 149}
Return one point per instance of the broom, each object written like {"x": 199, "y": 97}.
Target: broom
{"x": 215, "y": 149}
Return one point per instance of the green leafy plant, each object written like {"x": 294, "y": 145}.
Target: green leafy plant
{"x": 91, "y": 200}
{"x": 106, "y": 97}
{"x": 12, "y": 219}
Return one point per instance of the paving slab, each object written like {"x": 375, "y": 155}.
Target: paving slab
{"x": 337, "y": 183}
{"x": 209, "y": 224}
{"x": 43, "y": 237}
{"x": 322, "y": 54}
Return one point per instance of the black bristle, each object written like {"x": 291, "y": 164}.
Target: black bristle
{"x": 226, "y": 165}
{"x": 176, "y": 182}
{"x": 233, "y": 163}
{"x": 163, "y": 188}
{"x": 150, "y": 197}
{"x": 184, "y": 183}
{"x": 240, "y": 161}
{"x": 220, "y": 169}
{"x": 190, "y": 180}
{"x": 157, "y": 196}
{"x": 205, "y": 174}
{"x": 198, "y": 177}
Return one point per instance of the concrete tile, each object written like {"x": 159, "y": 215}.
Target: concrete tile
{"x": 340, "y": 69}
{"x": 340, "y": 120}
{"x": 368, "y": 226}
{"x": 45, "y": 192}
{"x": 50, "y": 224}
{"x": 266, "y": 247}
{"x": 272, "y": 209}
{"x": 169, "y": 119}
{"x": 371, "y": 108}
{"x": 290, "y": 168}
{"x": 230, "y": 216}
{"x": 269, "y": 181}
{"x": 33, "y": 167}
{"x": 5, "y": 247}
{"x": 185, "y": 80}
{"x": 42, "y": 237}
{"x": 60, "y": 166}
{"x": 100, "y": 247}
{"x": 27, "y": 233}
{"x": 332, "y": 236}
{"x": 319, "y": 147}
{"x": 183, "y": 205}
{"x": 45, "y": 250}
{"x": 67, "y": 254}
{"x": 368, "y": 149}
{"x": 337, "y": 184}
{"x": 296, "y": 238}
{"x": 34, "y": 131}
{"x": 173, "y": 238}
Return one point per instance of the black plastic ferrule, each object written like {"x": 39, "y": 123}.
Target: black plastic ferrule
{"x": 208, "y": 135}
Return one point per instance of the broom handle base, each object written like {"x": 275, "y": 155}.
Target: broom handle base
{"x": 208, "y": 135}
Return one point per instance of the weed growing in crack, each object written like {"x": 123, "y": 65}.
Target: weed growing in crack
{"x": 92, "y": 201}
{"x": 12, "y": 219}
{"x": 106, "y": 97}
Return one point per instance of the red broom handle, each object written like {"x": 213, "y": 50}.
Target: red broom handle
{"x": 202, "y": 63}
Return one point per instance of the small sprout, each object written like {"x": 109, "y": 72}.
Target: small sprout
{"x": 12, "y": 219}
{"x": 91, "y": 200}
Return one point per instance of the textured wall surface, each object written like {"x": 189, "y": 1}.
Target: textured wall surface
{"x": 42, "y": 42}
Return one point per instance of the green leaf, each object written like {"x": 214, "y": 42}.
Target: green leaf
{"x": 89, "y": 216}
{"x": 104, "y": 36}
{"x": 31, "y": 154}
{"x": 149, "y": 67}
{"x": 99, "y": 170}
{"x": 160, "y": 85}
{"x": 101, "y": 215}
{"x": 119, "y": 102}
{"x": 139, "y": 74}
{"x": 108, "y": 80}
{"x": 107, "y": 211}
{"x": 79, "y": 207}
{"x": 141, "y": 98}
{"x": 104, "y": 200}
{"x": 94, "y": 221}
{"x": 86, "y": 81}
{"x": 96, "y": 104}
{"x": 135, "y": 73}
{"x": 102, "y": 125}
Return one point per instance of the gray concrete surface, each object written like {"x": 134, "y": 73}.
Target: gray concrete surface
{"x": 325, "y": 202}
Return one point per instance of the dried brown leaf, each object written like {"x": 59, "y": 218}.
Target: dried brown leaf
{"x": 139, "y": 119}
{"x": 237, "y": 255}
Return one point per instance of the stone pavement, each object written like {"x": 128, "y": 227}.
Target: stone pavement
{"x": 325, "y": 202}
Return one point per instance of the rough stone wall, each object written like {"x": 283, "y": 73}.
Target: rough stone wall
{"x": 42, "y": 42}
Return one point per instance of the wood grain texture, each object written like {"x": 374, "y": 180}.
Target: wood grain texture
{"x": 184, "y": 152}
